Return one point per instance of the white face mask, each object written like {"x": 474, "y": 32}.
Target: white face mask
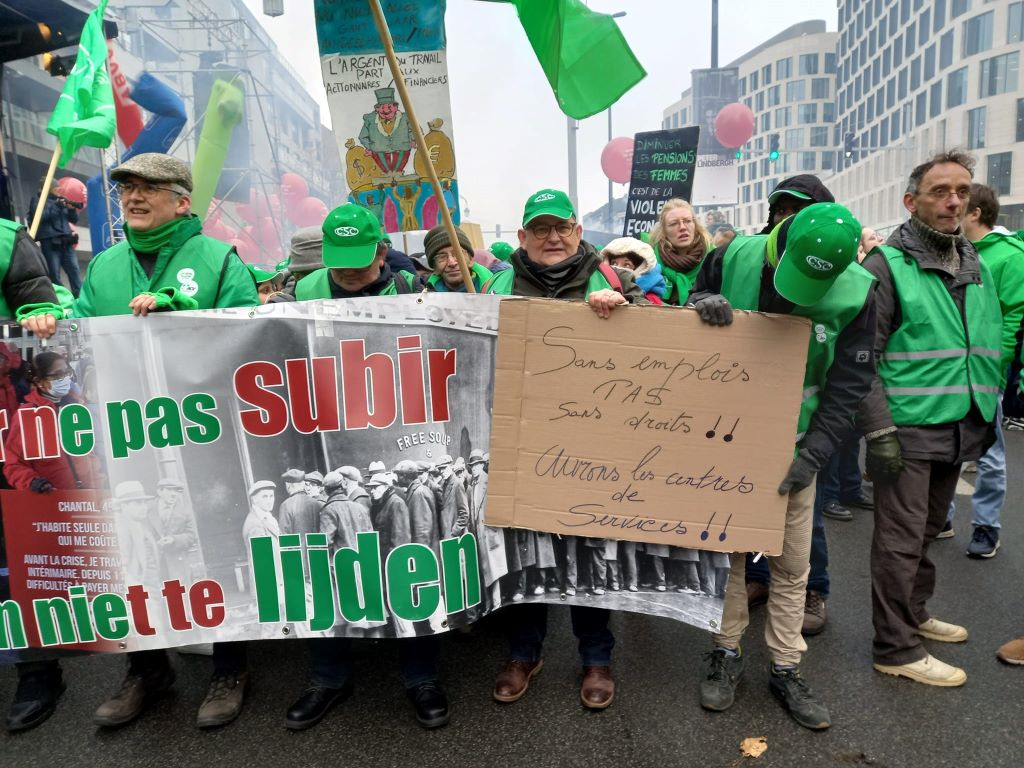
{"x": 60, "y": 388}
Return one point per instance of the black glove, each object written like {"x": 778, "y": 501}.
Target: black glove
{"x": 884, "y": 460}
{"x": 714, "y": 310}
{"x": 801, "y": 474}
{"x": 40, "y": 485}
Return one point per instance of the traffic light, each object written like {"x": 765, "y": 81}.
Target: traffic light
{"x": 739, "y": 154}
{"x": 773, "y": 147}
{"x": 849, "y": 144}
{"x": 58, "y": 66}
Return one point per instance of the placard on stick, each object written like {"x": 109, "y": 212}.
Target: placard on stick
{"x": 663, "y": 168}
{"x": 648, "y": 426}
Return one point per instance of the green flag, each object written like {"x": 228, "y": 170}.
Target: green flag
{"x": 84, "y": 115}
{"x": 585, "y": 57}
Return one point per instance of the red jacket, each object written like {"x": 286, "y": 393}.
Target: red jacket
{"x": 66, "y": 473}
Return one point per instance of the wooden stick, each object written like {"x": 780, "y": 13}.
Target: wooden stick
{"x": 421, "y": 144}
{"x": 45, "y": 191}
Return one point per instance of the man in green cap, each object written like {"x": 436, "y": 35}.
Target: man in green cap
{"x": 165, "y": 263}
{"x": 501, "y": 250}
{"x": 386, "y": 134}
{"x": 269, "y": 282}
{"x": 443, "y": 260}
{"x": 554, "y": 261}
{"x": 354, "y": 254}
{"x": 806, "y": 266}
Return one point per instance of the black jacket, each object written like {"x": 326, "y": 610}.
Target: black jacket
{"x": 956, "y": 442}
{"x": 27, "y": 280}
{"x": 853, "y": 368}
{"x": 57, "y": 219}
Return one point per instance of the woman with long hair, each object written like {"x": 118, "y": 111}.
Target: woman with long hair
{"x": 680, "y": 243}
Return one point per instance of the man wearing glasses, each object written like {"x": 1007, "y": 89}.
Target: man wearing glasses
{"x": 165, "y": 261}
{"x": 554, "y": 261}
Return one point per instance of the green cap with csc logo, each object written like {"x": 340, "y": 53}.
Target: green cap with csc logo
{"x": 351, "y": 234}
{"x": 548, "y": 202}
{"x": 820, "y": 244}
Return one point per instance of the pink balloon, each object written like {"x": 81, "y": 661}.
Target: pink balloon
{"x": 617, "y": 159}
{"x": 246, "y": 251}
{"x": 266, "y": 232}
{"x": 734, "y": 125}
{"x": 72, "y": 189}
{"x": 258, "y": 202}
{"x": 216, "y": 229}
{"x": 213, "y": 213}
{"x": 245, "y": 212}
{"x": 230, "y": 233}
{"x": 311, "y": 212}
{"x": 293, "y": 186}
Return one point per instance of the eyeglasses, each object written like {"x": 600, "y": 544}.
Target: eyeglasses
{"x": 943, "y": 192}
{"x": 563, "y": 228}
{"x": 60, "y": 374}
{"x": 143, "y": 188}
{"x": 676, "y": 223}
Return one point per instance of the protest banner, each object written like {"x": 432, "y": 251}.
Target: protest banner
{"x": 181, "y": 517}
{"x": 665, "y": 431}
{"x": 663, "y": 168}
{"x": 384, "y": 169}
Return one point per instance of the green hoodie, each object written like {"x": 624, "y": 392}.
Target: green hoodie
{"x": 1004, "y": 256}
{"x": 192, "y": 271}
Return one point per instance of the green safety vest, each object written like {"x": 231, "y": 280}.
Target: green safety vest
{"x": 316, "y": 285}
{"x": 8, "y": 230}
{"x": 934, "y": 365}
{"x": 741, "y": 285}
{"x": 503, "y": 282}
{"x": 480, "y": 273}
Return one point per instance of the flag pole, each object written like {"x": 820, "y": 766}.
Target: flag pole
{"x": 421, "y": 144}
{"x": 45, "y": 191}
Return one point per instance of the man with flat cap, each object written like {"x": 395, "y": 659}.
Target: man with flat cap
{"x": 420, "y": 500}
{"x": 299, "y": 513}
{"x": 353, "y": 486}
{"x": 165, "y": 261}
{"x": 314, "y": 483}
{"x": 175, "y": 528}
{"x": 453, "y": 508}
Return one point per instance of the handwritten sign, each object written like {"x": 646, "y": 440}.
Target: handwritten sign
{"x": 663, "y": 167}
{"x": 649, "y": 426}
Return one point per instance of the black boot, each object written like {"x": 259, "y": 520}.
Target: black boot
{"x": 36, "y": 697}
{"x": 430, "y": 703}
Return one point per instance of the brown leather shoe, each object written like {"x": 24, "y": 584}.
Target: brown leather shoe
{"x": 815, "y": 613}
{"x": 598, "y": 687}
{"x": 514, "y": 679}
{"x": 223, "y": 701}
{"x": 757, "y": 593}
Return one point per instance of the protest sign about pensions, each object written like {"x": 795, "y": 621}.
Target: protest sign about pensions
{"x": 648, "y": 426}
{"x": 663, "y": 168}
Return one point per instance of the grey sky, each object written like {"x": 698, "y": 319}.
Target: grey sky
{"x": 510, "y": 137}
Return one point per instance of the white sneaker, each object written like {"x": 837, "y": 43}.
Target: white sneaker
{"x": 942, "y": 631}
{"x": 928, "y": 670}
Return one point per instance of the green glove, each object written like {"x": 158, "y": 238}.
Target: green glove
{"x": 884, "y": 460}
{"x": 42, "y": 308}
{"x": 172, "y": 299}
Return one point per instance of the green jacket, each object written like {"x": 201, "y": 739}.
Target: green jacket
{"x": 317, "y": 285}
{"x": 578, "y": 285}
{"x": 1004, "y": 257}
{"x": 481, "y": 275}
{"x": 192, "y": 271}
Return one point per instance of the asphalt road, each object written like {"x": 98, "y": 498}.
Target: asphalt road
{"x": 655, "y": 720}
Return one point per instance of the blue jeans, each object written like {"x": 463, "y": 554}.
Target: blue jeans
{"x": 990, "y": 482}
{"x": 842, "y": 477}
{"x": 58, "y": 255}
{"x": 528, "y": 624}
{"x": 330, "y": 660}
{"x": 818, "y": 580}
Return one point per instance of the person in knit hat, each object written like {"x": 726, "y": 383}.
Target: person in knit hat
{"x": 638, "y": 256}
{"x": 443, "y": 260}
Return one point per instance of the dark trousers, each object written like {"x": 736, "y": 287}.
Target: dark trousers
{"x": 330, "y": 660}
{"x": 527, "y": 626}
{"x": 842, "y": 476}
{"x": 908, "y": 515}
{"x": 228, "y": 659}
{"x": 58, "y": 255}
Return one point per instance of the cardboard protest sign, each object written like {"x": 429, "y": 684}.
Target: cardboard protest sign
{"x": 304, "y": 469}
{"x": 649, "y": 426}
{"x": 384, "y": 170}
{"x": 663, "y": 168}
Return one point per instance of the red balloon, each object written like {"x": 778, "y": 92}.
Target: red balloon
{"x": 311, "y": 212}
{"x": 216, "y": 229}
{"x": 246, "y": 250}
{"x": 245, "y": 212}
{"x": 258, "y": 202}
{"x": 72, "y": 189}
{"x": 734, "y": 125}
{"x": 293, "y": 186}
{"x": 617, "y": 159}
{"x": 214, "y": 212}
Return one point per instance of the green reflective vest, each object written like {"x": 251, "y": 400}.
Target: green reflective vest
{"x": 503, "y": 282}
{"x": 936, "y": 364}
{"x": 8, "y": 230}
{"x": 481, "y": 275}
{"x": 741, "y": 285}
{"x": 317, "y": 285}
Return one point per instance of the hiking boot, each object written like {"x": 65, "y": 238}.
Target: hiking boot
{"x": 815, "y": 613}
{"x": 947, "y": 531}
{"x": 795, "y": 695}
{"x": 942, "y": 631}
{"x": 718, "y": 689}
{"x": 984, "y": 542}
{"x": 928, "y": 670}
{"x": 135, "y": 694}
{"x": 514, "y": 679}
{"x": 757, "y": 593}
{"x": 1012, "y": 652}
{"x": 35, "y": 700}
{"x": 223, "y": 700}
{"x": 836, "y": 511}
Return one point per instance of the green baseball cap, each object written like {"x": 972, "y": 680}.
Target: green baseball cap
{"x": 501, "y": 250}
{"x": 351, "y": 234}
{"x": 261, "y": 275}
{"x": 820, "y": 244}
{"x": 548, "y": 202}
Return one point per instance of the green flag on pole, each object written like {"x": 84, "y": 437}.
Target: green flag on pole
{"x": 84, "y": 115}
{"x": 583, "y": 53}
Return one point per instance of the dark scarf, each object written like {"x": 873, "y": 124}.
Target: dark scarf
{"x": 557, "y": 274}
{"x": 373, "y": 289}
{"x": 939, "y": 243}
{"x": 681, "y": 262}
